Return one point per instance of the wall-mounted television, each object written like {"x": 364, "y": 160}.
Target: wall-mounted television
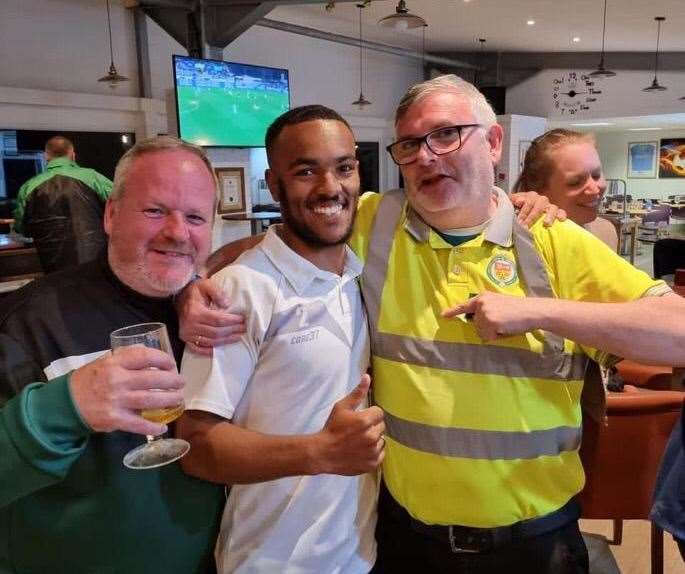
{"x": 224, "y": 104}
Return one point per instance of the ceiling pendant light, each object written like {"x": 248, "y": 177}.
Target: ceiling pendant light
{"x": 601, "y": 71}
{"x": 113, "y": 77}
{"x": 655, "y": 86}
{"x": 402, "y": 19}
{"x": 361, "y": 101}
{"x": 477, "y": 81}
{"x": 423, "y": 52}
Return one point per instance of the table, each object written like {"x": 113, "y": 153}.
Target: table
{"x": 259, "y": 221}
{"x": 627, "y": 228}
{"x": 18, "y": 260}
{"x": 632, "y": 211}
{"x": 9, "y": 286}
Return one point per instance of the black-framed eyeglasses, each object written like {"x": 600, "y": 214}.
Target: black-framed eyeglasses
{"x": 440, "y": 141}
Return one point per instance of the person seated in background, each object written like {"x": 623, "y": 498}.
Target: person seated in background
{"x": 67, "y": 503}
{"x": 62, "y": 209}
{"x": 564, "y": 165}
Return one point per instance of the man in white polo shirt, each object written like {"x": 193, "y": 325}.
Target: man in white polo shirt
{"x": 282, "y": 414}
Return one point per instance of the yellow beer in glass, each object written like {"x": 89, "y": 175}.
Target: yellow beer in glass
{"x": 156, "y": 452}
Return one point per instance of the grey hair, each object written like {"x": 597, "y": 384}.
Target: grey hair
{"x": 159, "y": 143}
{"x": 480, "y": 107}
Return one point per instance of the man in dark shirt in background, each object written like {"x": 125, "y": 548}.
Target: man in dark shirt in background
{"x": 62, "y": 209}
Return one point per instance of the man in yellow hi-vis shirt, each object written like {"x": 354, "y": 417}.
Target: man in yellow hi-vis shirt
{"x": 482, "y": 402}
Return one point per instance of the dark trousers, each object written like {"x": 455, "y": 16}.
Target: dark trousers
{"x": 401, "y": 549}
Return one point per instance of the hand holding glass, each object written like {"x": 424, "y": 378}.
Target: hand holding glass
{"x": 156, "y": 452}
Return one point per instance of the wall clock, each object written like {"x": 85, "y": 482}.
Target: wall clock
{"x": 574, "y": 92}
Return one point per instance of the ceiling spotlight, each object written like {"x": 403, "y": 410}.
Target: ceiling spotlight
{"x": 402, "y": 19}
{"x": 576, "y": 39}
{"x": 531, "y": 22}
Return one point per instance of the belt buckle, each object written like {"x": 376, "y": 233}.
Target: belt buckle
{"x": 459, "y": 548}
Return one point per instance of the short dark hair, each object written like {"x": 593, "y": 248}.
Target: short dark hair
{"x": 58, "y": 146}
{"x": 296, "y": 116}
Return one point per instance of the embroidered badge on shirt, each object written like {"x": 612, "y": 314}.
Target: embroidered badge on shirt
{"x": 502, "y": 271}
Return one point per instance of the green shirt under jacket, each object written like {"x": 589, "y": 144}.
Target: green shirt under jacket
{"x": 65, "y": 167}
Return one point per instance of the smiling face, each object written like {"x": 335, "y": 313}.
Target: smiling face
{"x": 455, "y": 189}
{"x": 576, "y": 182}
{"x": 314, "y": 174}
{"x": 160, "y": 227}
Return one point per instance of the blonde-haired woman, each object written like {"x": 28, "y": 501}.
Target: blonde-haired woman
{"x": 565, "y": 166}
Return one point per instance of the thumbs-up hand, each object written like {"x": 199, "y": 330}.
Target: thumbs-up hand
{"x": 351, "y": 441}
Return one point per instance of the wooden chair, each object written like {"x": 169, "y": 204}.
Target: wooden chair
{"x": 650, "y": 229}
{"x": 656, "y": 378}
{"x": 621, "y": 459}
{"x": 679, "y": 282}
{"x": 229, "y": 253}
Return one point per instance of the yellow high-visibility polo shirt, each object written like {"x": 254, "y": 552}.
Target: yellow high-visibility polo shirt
{"x": 484, "y": 445}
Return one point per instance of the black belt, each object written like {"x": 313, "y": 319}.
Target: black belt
{"x": 473, "y": 540}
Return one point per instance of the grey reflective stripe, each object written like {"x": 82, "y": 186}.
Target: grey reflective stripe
{"x": 478, "y": 359}
{"x": 530, "y": 265}
{"x": 536, "y": 280}
{"x": 482, "y": 444}
{"x": 463, "y": 357}
{"x": 380, "y": 244}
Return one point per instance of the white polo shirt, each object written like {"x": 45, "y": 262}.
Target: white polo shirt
{"x": 306, "y": 346}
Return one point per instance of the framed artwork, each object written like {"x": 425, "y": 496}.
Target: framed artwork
{"x": 672, "y": 158}
{"x": 642, "y": 159}
{"x": 231, "y": 189}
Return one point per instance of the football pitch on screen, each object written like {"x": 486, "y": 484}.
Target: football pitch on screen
{"x": 222, "y": 116}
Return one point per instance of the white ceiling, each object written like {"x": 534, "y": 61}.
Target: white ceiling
{"x": 456, "y": 25}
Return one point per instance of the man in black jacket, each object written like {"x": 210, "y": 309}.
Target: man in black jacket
{"x": 62, "y": 209}
{"x": 67, "y": 503}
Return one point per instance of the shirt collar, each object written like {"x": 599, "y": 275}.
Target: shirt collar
{"x": 61, "y": 162}
{"x": 498, "y": 231}
{"x": 297, "y": 270}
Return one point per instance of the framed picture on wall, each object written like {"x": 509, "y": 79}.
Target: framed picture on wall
{"x": 672, "y": 158}
{"x": 642, "y": 159}
{"x": 231, "y": 189}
